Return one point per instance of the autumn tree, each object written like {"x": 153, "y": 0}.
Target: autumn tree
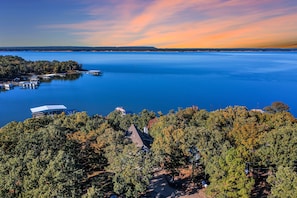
{"x": 277, "y": 107}
{"x": 246, "y": 137}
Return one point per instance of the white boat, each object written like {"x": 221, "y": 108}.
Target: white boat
{"x": 121, "y": 109}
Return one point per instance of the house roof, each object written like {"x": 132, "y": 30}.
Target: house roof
{"x": 135, "y": 137}
{"x": 48, "y": 108}
{"x": 140, "y": 139}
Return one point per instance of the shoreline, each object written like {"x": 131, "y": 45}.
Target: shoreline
{"x": 32, "y": 81}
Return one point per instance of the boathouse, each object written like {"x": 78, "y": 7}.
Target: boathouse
{"x": 48, "y": 110}
{"x": 28, "y": 85}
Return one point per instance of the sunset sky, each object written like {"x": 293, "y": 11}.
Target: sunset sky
{"x": 159, "y": 23}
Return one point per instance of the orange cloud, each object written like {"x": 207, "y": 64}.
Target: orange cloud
{"x": 192, "y": 23}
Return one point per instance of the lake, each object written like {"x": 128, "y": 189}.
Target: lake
{"x": 160, "y": 81}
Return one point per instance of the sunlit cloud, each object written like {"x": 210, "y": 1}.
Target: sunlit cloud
{"x": 192, "y": 23}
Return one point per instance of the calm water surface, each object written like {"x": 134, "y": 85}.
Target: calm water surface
{"x": 160, "y": 81}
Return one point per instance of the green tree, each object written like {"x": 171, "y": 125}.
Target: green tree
{"x": 227, "y": 176}
{"x": 144, "y": 117}
{"x": 283, "y": 183}
{"x": 132, "y": 170}
{"x": 52, "y": 177}
{"x": 278, "y": 147}
{"x": 170, "y": 150}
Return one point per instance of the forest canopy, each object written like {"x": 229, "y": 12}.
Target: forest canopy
{"x": 236, "y": 152}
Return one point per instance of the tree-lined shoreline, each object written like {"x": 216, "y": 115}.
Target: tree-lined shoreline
{"x": 12, "y": 67}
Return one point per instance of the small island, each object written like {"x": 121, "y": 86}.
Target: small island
{"x": 16, "y": 71}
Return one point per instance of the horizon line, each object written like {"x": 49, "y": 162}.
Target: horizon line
{"x": 147, "y": 47}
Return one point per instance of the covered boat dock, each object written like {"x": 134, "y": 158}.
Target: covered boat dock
{"x": 48, "y": 110}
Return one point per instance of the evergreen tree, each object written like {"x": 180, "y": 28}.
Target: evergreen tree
{"x": 132, "y": 170}
{"x": 278, "y": 147}
{"x": 227, "y": 176}
{"x": 283, "y": 183}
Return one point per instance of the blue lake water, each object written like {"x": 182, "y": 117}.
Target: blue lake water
{"x": 160, "y": 81}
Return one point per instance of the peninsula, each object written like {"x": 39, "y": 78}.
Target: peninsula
{"x": 12, "y": 67}
{"x": 15, "y": 70}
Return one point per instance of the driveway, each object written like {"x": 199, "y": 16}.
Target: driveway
{"x": 159, "y": 188}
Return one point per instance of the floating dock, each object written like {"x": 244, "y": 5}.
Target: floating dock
{"x": 94, "y": 72}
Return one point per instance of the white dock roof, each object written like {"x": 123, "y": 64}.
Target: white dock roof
{"x": 48, "y": 108}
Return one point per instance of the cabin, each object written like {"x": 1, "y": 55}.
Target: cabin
{"x": 47, "y": 110}
{"x": 140, "y": 139}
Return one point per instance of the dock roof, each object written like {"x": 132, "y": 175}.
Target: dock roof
{"x": 48, "y": 108}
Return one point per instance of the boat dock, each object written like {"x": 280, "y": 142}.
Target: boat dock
{"x": 94, "y": 72}
{"x": 47, "y": 110}
{"x": 50, "y": 76}
{"x": 6, "y": 86}
{"x": 50, "y": 110}
{"x": 28, "y": 85}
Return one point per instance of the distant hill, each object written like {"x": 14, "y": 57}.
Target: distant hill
{"x": 78, "y": 48}
{"x": 137, "y": 48}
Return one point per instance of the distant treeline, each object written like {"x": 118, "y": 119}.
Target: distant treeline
{"x": 136, "y": 48}
{"x": 14, "y": 66}
{"x": 77, "y": 48}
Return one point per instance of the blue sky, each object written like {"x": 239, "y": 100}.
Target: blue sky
{"x": 160, "y": 23}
